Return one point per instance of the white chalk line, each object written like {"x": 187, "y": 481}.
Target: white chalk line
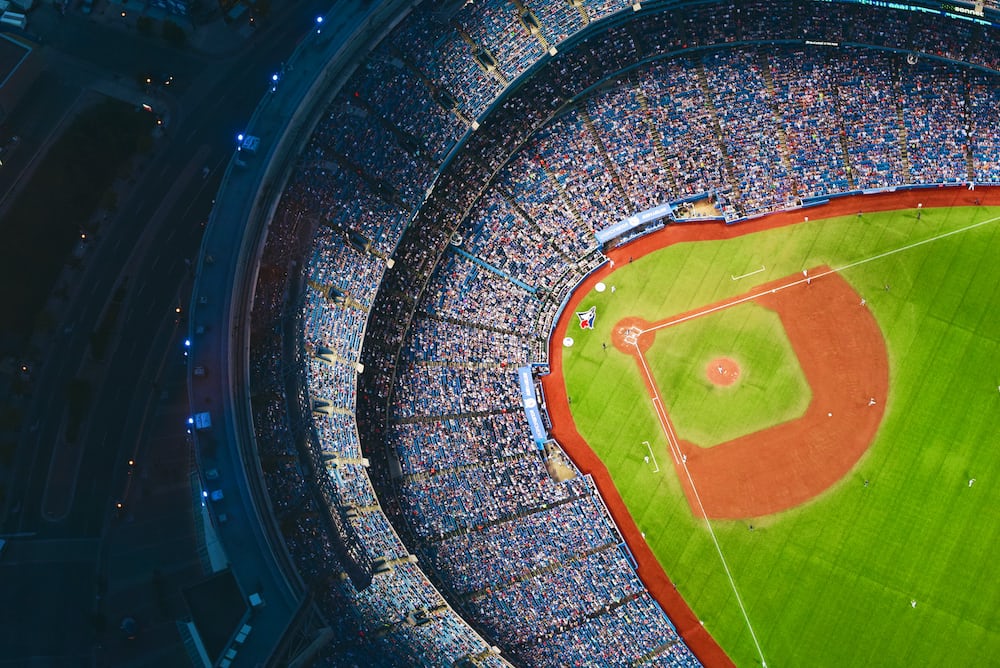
{"x": 835, "y": 270}
{"x": 755, "y": 271}
{"x": 679, "y": 459}
{"x": 650, "y": 448}
{"x": 667, "y": 428}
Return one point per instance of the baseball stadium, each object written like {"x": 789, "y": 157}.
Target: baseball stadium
{"x": 592, "y": 333}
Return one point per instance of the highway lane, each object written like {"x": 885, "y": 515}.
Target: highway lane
{"x": 158, "y": 227}
{"x": 147, "y": 272}
{"x": 144, "y": 223}
{"x": 104, "y": 48}
{"x": 147, "y": 343}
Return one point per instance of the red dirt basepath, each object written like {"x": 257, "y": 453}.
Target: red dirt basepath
{"x": 564, "y": 431}
{"x": 842, "y": 354}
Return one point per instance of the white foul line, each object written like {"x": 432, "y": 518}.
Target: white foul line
{"x": 834, "y": 270}
{"x": 681, "y": 460}
{"x": 671, "y": 437}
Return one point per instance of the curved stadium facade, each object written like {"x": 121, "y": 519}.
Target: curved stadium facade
{"x": 457, "y": 187}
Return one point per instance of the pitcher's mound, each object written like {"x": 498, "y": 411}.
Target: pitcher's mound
{"x": 722, "y": 371}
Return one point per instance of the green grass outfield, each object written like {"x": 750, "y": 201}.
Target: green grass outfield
{"x": 831, "y": 583}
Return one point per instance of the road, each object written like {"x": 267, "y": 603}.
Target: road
{"x": 55, "y": 574}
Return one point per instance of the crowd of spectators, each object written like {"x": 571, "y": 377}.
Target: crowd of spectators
{"x": 466, "y": 345}
{"x": 932, "y": 100}
{"x": 354, "y": 136}
{"x": 422, "y": 389}
{"x": 558, "y": 20}
{"x": 466, "y": 291}
{"x": 535, "y": 194}
{"x": 529, "y": 543}
{"x": 496, "y": 26}
{"x": 521, "y": 613}
{"x": 387, "y": 82}
{"x": 496, "y": 233}
{"x": 338, "y": 436}
{"x": 454, "y": 442}
{"x": 807, "y": 100}
{"x": 624, "y": 125}
{"x": 333, "y": 325}
{"x": 774, "y": 125}
{"x": 984, "y": 124}
{"x": 537, "y": 565}
{"x": 405, "y": 609}
{"x": 336, "y": 264}
{"x": 612, "y": 637}
{"x": 566, "y": 150}
{"x": 454, "y": 499}
{"x": 331, "y": 383}
{"x": 867, "y": 98}
{"x": 436, "y": 48}
{"x": 688, "y": 132}
{"x": 750, "y": 133}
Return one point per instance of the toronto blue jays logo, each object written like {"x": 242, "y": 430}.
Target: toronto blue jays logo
{"x": 587, "y": 317}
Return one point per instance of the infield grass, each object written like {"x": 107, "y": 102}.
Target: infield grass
{"x": 770, "y": 389}
{"x": 830, "y": 583}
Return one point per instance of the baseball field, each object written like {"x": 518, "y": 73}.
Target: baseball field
{"x": 802, "y": 423}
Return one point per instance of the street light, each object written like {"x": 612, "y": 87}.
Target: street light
{"x": 319, "y": 24}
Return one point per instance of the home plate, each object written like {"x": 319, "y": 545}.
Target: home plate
{"x": 829, "y": 414}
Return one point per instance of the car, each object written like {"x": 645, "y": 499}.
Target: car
{"x": 156, "y": 78}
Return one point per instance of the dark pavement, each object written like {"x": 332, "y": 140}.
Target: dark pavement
{"x": 75, "y": 564}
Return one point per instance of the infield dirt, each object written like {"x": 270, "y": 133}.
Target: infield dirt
{"x": 564, "y": 430}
